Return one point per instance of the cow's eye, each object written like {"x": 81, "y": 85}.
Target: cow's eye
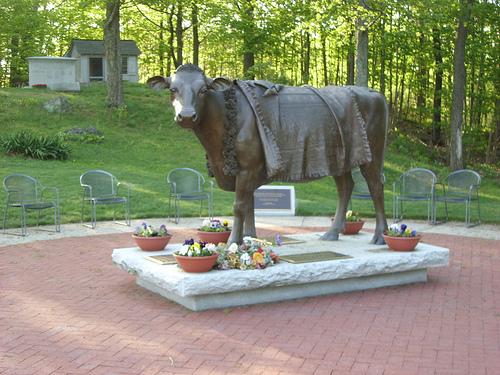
{"x": 173, "y": 90}
{"x": 204, "y": 90}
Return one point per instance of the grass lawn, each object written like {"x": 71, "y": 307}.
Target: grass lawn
{"x": 142, "y": 144}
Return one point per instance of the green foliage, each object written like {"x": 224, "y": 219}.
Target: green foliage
{"x": 142, "y": 144}
{"x": 35, "y": 146}
{"x": 82, "y": 138}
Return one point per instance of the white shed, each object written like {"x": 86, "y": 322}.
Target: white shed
{"x": 58, "y": 73}
{"x": 91, "y": 60}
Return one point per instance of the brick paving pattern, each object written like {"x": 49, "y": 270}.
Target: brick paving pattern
{"x": 66, "y": 309}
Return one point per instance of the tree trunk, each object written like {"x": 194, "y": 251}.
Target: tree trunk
{"x": 248, "y": 41}
{"x": 306, "y": 58}
{"x": 361, "y": 53}
{"x": 494, "y": 136}
{"x": 350, "y": 63}
{"x": 196, "y": 40}
{"x": 458, "y": 98}
{"x": 324, "y": 61}
{"x": 382, "y": 59}
{"x": 161, "y": 49}
{"x": 115, "y": 98}
{"x": 438, "y": 88}
{"x": 178, "y": 35}
{"x": 171, "y": 38}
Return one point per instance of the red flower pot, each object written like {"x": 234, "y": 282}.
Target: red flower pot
{"x": 402, "y": 243}
{"x": 353, "y": 227}
{"x": 214, "y": 237}
{"x": 152, "y": 243}
{"x": 196, "y": 264}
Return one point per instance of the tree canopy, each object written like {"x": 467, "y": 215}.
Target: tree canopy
{"x": 409, "y": 51}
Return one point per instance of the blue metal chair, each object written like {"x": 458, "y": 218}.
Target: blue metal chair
{"x": 27, "y": 193}
{"x": 458, "y": 187}
{"x": 188, "y": 184}
{"x": 414, "y": 185}
{"x": 100, "y": 187}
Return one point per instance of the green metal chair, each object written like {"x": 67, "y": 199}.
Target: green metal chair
{"x": 26, "y": 193}
{"x": 458, "y": 187}
{"x": 360, "y": 189}
{"x": 188, "y": 184}
{"x": 100, "y": 187}
{"x": 414, "y": 185}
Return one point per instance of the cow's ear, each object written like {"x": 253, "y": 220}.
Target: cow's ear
{"x": 159, "y": 83}
{"x": 220, "y": 83}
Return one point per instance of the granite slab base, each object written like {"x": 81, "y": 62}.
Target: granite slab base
{"x": 370, "y": 266}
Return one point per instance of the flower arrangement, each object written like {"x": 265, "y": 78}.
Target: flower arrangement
{"x": 145, "y": 230}
{"x": 215, "y": 226}
{"x": 401, "y": 231}
{"x": 197, "y": 249}
{"x": 252, "y": 254}
{"x": 352, "y": 217}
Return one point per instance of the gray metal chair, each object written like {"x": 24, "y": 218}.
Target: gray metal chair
{"x": 360, "y": 190}
{"x": 414, "y": 185}
{"x": 458, "y": 187}
{"x": 27, "y": 193}
{"x": 100, "y": 187}
{"x": 188, "y": 184}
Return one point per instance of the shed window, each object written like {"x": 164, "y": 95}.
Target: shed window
{"x": 95, "y": 68}
{"x": 125, "y": 65}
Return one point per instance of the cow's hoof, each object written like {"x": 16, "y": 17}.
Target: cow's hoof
{"x": 329, "y": 236}
{"x": 377, "y": 240}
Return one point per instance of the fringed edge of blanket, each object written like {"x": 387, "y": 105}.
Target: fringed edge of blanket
{"x": 319, "y": 174}
{"x": 363, "y": 128}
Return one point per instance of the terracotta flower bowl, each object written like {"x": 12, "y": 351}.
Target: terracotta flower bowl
{"x": 353, "y": 227}
{"x": 402, "y": 243}
{"x": 196, "y": 264}
{"x": 214, "y": 237}
{"x": 152, "y": 243}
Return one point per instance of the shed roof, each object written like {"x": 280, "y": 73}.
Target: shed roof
{"x": 96, "y": 47}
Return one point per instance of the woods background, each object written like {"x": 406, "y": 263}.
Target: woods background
{"x": 437, "y": 62}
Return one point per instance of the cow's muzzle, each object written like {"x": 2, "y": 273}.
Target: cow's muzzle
{"x": 186, "y": 118}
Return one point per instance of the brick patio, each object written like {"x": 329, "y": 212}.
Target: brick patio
{"x": 66, "y": 309}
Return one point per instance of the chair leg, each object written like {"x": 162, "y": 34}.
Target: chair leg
{"x": 23, "y": 222}
{"x": 169, "y": 205}
{"x": 177, "y": 210}
{"x": 5, "y": 217}
{"x": 397, "y": 216}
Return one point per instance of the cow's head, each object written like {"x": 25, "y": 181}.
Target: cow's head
{"x": 188, "y": 89}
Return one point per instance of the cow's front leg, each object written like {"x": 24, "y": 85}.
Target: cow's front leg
{"x": 344, "y": 190}
{"x": 244, "y": 221}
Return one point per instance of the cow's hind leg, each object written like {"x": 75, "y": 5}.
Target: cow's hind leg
{"x": 345, "y": 185}
{"x": 374, "y": 180}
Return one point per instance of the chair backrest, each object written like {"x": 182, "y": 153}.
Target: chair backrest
{"x": 103, "y": 183}
{"x": 417, "y": 181}
{"x": 187, "y": 180}
{"x": 459, "y": 182}
{"x": 360, "y": 185}
{"x": 28, "y": 186}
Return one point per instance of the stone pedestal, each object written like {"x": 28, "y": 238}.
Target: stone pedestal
{"x": 370, "y": 266}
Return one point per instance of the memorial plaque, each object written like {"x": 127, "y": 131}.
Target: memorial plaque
{"x": 274, "y": 200}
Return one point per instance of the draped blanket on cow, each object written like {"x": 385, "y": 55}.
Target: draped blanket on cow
{"x": 307, "y": 132}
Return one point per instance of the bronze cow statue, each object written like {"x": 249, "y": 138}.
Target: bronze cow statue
{"x": 257, "y": 132}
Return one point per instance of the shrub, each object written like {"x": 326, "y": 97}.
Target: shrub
{"x": 83, "y": 138}
{"x": 36, "y": 146}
